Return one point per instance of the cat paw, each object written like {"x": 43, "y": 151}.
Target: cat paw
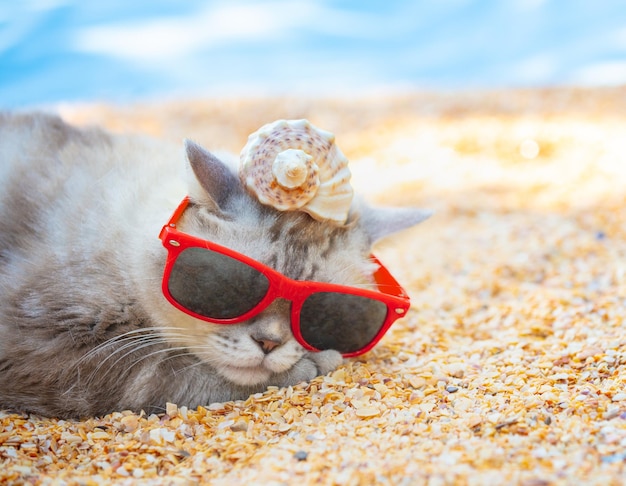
{"x": 309, "y": 367}
{"x": 326, "y": 361}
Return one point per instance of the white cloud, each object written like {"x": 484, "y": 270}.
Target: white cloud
{"x": 170, "y": 38}
{"x": 610, "y": 73}
{"x": 223, "y": 22}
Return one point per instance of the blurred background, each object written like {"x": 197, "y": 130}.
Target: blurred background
{"x": 119, "y": 50}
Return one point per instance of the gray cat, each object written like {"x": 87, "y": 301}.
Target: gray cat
{"x": 85, "y": 328}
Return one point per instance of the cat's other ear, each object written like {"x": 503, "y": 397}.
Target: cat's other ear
{"x": 380, "y": 222}
{"x": 216, "y": 179}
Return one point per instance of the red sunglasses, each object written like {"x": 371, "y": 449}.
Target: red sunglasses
{"x": 216, "y": 284}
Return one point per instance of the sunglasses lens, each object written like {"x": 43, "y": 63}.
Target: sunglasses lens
{"x": 215, "y": 285}
{"x": 344, "y": 322}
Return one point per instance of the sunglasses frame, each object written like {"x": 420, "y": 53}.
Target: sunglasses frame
{"x": 280, "y": 286}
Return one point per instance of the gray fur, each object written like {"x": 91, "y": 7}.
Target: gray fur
{"x": 84, "y": 327}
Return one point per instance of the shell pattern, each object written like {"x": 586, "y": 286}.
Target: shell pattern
{"x": 293, "y": 165}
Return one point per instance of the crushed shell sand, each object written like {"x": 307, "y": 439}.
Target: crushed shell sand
{"x": 509, "y": 369}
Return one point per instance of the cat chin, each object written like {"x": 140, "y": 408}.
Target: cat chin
{"x": 245, "y": 376}
{"x": 260, "y": 373}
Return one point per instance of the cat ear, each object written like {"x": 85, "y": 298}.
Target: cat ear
{"x": 380, "y": 222}
{"x": 216, "y": 178}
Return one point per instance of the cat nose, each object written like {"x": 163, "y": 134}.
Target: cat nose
{"x": 271, "y": 328}
{"x": 267, "y": 345}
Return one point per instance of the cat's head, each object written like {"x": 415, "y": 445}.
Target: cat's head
{"x": 291, "y": 242}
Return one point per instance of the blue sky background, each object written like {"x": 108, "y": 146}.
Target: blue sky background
{"x": 124, "y": 50}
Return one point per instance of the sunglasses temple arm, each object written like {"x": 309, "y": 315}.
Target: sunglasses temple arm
{"x": 386, "y": 283}
{"x": 175, "y": 217}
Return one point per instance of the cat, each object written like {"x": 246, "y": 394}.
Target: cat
{"x": 84, "y": 327}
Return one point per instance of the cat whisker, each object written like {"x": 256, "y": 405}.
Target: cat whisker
{"x": 136, "y": 341}
{"x": 141, "y": 343}
{"x": 366, "y": 285}
{"x": 193, "y": 365}
{"x": 208, "y": 357}
{"x": 131, "y": 335}
{"x": 173, "y": 354}
{"x": 133, "y": 342}
{"x": 122, "y": 337}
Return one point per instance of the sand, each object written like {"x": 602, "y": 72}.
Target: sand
{"x": 510, "y": 367}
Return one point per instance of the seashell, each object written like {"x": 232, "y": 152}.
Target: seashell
{"x": 293, "y": 165}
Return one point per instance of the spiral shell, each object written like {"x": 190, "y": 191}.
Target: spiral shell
{"x": 293, "y": 165}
